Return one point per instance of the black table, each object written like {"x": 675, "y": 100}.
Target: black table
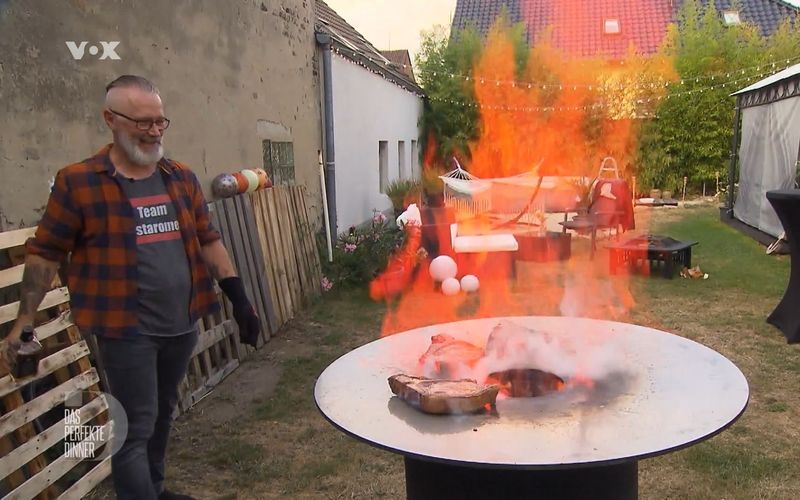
{"x": 590, "y": 223}
{"x": 786, "y": 316}
{"x": 649, "y": 252}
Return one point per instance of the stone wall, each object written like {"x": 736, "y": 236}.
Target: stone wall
{"x": 231, "y": 74}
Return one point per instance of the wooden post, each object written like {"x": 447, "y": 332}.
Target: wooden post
{"x": 685, "y": 179}
{"x": 733, "y": 156}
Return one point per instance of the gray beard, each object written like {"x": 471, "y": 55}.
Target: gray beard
{"x": 136, "y": 155}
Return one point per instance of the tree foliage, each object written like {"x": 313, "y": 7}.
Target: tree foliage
{"x": 663, "y": 117}
{"x": 691, "y": 136}
{"x": 449, "y": 117}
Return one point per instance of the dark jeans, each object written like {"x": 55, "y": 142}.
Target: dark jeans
{"x": 143, "y": 373}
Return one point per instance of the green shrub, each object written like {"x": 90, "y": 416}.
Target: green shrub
{"x": 361, "y": 253}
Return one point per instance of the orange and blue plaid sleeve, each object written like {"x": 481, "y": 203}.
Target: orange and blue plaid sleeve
{"x": 60, "y": 224}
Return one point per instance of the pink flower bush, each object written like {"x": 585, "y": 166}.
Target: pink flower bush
{"x": 350, "y": 247}
{"x": 326, "y": 284}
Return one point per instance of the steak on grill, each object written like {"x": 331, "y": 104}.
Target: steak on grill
{"x": 442, "y": 397}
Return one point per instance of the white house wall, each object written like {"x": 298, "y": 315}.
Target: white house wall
{"x": 368, "y": 109}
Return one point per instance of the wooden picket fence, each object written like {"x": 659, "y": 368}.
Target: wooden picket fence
{"x": 291, "y": 259}
{"x": 270, "y": 239}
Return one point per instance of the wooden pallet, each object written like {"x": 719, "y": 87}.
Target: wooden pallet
{"x": 272, "y": 244}
{"x": 216, "y": 355}
{"x": 32, "y": 462}
{"x": 291, "y": 260}
{"x": 219, "y": 351}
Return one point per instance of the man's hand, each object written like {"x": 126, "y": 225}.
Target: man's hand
{"x": 249, "y": 327}
{"x": 243, "y": 312}
{"x": 8, "y": 354}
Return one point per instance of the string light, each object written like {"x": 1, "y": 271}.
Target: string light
{"x": 493, "y": 107}
{"x": 574, "y": 86}
{"x": 338, "y": 52}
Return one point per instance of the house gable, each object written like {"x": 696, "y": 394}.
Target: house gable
{"x": 401, "y": 60}
{"x": 353, "y": 46}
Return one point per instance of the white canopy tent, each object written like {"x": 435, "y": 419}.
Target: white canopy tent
{"x": 769, "y": 150}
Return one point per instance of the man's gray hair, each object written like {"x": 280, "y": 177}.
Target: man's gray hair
{"x": 139, "y": 82}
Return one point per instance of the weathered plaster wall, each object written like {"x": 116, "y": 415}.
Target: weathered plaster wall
{"x": 231, "y": 73}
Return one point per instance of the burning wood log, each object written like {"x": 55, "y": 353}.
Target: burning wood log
{"x": 443, "y": 397}
{"x": 526, "y": 383}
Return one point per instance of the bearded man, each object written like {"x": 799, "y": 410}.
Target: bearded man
{"x": 133, "y": 230}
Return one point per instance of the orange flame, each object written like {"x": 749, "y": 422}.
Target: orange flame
{"x": 574, "y": 113}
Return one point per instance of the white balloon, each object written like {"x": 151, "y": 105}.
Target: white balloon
{"x": 443, "y": 267}
{"x": 470, "y": 283}
{"x": 450, "y": 286}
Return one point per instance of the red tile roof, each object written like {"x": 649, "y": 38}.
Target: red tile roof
{"x": 401, "y": 59}
{"x": 577, "y": 25}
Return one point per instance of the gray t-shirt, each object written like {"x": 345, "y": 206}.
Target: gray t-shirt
{"x": 165, "y": 281}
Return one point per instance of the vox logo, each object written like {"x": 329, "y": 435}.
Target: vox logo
{"x": 79, "y": 49}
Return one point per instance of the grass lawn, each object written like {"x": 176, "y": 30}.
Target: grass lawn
{"x": 259, "y": 435}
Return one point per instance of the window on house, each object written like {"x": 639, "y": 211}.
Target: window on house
{"x": 611, "y": 27}
{"x": 414, "y": 159}
{"x": 383, "y": 165}
{"x": 731, "y": 17}
{"x": 401, "y": 160}
{"x": 279, "y": 161}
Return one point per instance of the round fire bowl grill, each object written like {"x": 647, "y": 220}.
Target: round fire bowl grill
{"x": 667, "y": 393}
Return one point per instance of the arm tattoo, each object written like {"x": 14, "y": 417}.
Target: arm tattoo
{"x": 36, "y": 280}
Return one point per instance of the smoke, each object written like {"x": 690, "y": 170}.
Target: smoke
{"x": 592, "y": 356}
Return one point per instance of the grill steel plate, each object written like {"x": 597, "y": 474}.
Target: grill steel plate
{"x": 668, "y": 393}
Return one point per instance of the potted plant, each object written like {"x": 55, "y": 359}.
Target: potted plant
{"x": 402, "y": 192}
{"x": 432, "y": 187}
{"x": 583, "y": 192}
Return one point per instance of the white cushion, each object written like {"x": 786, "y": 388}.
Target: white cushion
{"x": 501, "y": 242}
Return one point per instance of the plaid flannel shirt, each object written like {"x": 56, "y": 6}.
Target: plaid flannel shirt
{"x": 89, "y": 218}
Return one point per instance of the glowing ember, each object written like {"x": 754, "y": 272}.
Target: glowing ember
{"x": 530, "y": 382}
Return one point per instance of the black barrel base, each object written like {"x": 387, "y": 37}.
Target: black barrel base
{"x": 435, "y": 481}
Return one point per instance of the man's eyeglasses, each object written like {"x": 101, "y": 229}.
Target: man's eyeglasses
{"x": 160, "y": 123}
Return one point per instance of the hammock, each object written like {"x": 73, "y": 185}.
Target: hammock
{"x": 511, "y": 196}
{"x": 465, "y": 192}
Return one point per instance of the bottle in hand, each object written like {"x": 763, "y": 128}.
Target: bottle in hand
{"x": 28, "y": 355}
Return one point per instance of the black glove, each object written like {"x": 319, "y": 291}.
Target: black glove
{"x": 243, "y": 312}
